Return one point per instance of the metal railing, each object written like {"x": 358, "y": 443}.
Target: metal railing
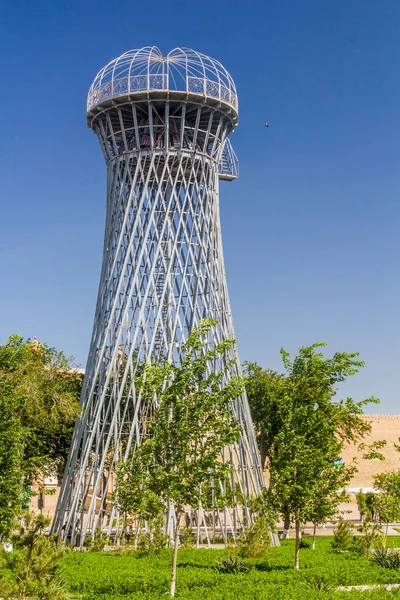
{"x": 141, "y": 83}
{"x": 228, "y": 167}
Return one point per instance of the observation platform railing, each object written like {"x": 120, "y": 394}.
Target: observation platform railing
{"x": 143, "y": 83}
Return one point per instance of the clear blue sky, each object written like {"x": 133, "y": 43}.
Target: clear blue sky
{"x": 311, "y": 228}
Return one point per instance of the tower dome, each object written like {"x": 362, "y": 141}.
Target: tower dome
{"x": 148, "y": 72}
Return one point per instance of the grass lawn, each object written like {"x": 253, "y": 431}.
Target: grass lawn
{"x": 108, "y": 576}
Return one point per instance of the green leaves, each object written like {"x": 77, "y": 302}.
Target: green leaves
{"x": 33, "y": 566}
{"x": 302, "y": 430}
{"x": 38, "y": 403}
{"x": 122, "y": 576}
{"x": 264, "y": 393}
{"x": 183, "y": 461}
{"x": 191, "y": 426}
{"x": 387, "y": 501}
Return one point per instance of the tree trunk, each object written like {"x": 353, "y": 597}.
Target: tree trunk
{"x": 286, "y": 525}
{"x": 137, "y": 533}
{"x": 313, "y": 536}
{"x": 263, "y": 451}
{"x": 296, "y": 558}
{"x": 175, "y": 556}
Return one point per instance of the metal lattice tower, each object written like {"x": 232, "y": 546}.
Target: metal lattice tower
{"x": 163, "y": 124}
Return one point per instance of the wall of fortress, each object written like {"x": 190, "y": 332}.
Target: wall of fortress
{"x": 384, "y": 427}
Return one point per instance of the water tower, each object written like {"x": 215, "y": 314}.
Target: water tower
{"x": 163, "y": 124}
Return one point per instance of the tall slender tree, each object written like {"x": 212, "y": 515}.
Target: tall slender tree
{"x": 181, "y": 462}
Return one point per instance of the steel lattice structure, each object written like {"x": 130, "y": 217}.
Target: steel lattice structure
{"x": 163, "y": 126}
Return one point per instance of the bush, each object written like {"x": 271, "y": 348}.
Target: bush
{"x": 33, "y": 567}
{"x": 187, "y": 537}
{"x": 155, "y": 540}
{"x": 107, "y": 576}
{"x": 253, "y": 542}
{"x": 97, "y": 543}
{"x": 231, "y": 565}
{"x": 371, "y": 538}
{"x": 317, "y": 584}
{"x": 388, "y": 558}
{"x": 305, "y": 545}
{"x": 342, "y": 535}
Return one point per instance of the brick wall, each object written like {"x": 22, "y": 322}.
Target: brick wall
{"x": 384, "y": 427}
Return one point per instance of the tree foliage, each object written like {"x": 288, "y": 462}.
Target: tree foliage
{"x": 387, "y": 500}
{"x": 342, "y": 535}
{"x": 264, "y": 389}
{"x": 181, "y": 460}
{"x": 308, "y": 430}
{"x": 367, "y": 505}
{"x": 38, "y": 404}
{"x": 371, "y": 537}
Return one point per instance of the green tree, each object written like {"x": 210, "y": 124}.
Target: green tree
{"x": 370, "y": 500}
{"x": 387, "y": 500}
{"x": 367, "y": 503}
{"x": 371, "y": 537}
{"x": 38, "y": 404}
{"x": 135, "y": 497}
{"x": 361, "y": 499}
{"x": 342, "y": 534}
{"x": 180, "y": 462}
{"x": 323, "y": 505}
{"x": 264, "y": 391}
{"x": 312, "y": 429}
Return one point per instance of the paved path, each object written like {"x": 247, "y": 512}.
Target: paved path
{"x": 366, "y": 588}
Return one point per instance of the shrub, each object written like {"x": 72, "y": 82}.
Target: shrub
{"x": 342, "y": 535}
{"x": 97, "y": 543}
{"x": 231, "y": 565}
{"x": 253, "y": 542}
{"x": 388, "y": 558}
{"x": 371, "y": 538}
{"x": 304, "y": 544}
{"x": 33, "y": 569}
{"x": 155, "y": 540}
{"x": 317, "y": 584}
{"x": 187, "y": 537}
{"x": 102, "y": 576}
